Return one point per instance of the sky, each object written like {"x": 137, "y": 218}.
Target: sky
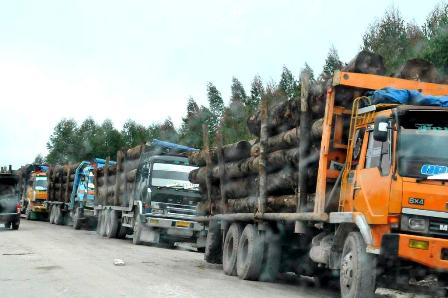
{"x": 142, "y": 60}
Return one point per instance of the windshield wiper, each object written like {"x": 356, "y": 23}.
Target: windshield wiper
{"x": 439, "y": 177}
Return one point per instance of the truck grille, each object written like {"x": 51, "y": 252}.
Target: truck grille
{"x": 438, "y": 226}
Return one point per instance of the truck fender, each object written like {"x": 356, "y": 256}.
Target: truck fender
{"x": 364, "y": 228}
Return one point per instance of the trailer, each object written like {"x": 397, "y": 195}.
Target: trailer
{"x": 374, "y": 214}
{"x": 71, "y": 193}
{"x": 147, "y": 194}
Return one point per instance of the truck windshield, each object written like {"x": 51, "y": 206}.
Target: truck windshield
{"x": 41, "y": 183}
{"x": 422, "y": 143}
{"x": 172, "y": 175}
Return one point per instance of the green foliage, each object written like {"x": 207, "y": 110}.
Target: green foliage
{"x": 216, "y": 105}
{"x": 39, "y": 159}
{"x": 62, "y": 145}
{"x": 332, "y": 63}
{"x": 256, "y": 93}
{"x": 435, "y": 30}
{"x": 288, "y": 85}
{"x": 392, "y": 38}
{"x": 133, "y": 134}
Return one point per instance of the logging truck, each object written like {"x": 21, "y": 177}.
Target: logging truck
{"x": 33, "y": 191}
{"x": 377, "y": 211}
{"x": 71, "y": 193}
{"x": 9, "y": 201}
{"x": 147, "y": 194}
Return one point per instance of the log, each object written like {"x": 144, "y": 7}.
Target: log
{"x": 419, "y": 70}
{"x": 316, "y": 129}
{"x": 281, "y": 117}
{"x": 283, "y": 140}
{"x": 231, "y": 152}
{"x": 273, "y": 204}
{"x": 130, "y": 176}
{"x": 134, "y": 153}
{"x": 366, "y": 62}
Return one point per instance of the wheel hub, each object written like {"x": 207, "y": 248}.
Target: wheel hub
{"x": 347, "y": 270}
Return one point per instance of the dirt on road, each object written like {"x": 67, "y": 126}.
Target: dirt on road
{"x": 43, "y": 260}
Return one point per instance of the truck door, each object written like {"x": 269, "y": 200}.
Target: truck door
{"x": 371, "y": 188}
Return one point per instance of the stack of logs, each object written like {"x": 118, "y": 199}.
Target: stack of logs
{"x": 229, "y": 175}
{"x": 115, "y": 181}
{"x": 60, "y": 182}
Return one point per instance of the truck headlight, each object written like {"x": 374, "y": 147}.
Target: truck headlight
{"x": 417, "y": 224}
{"x": 414, "y": 224}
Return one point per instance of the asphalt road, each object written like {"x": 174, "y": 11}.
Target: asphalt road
{"x": 43, "y": 260}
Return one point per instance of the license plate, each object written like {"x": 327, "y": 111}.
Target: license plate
{"x": 182, "y": 224}
{"x": 154, "y": 221}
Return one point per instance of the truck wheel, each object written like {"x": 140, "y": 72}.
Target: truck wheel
{"x": 28, "y": 212}
{"x": 272, "y": 256}
{"x": 213, "y": 244}
{"x": 59, "y": 216}
{"x": 104, "y": 217}
{"x": 230, "y": 249}
{"x": 52, "y": 210}
{"x": 250, "y": 253}
{"x": 98, "y": 222}
{"x": 137, "y": 234}
{"x": 358, "y": 269}
{"x": 8, "y": 225}
{"x": 112, "y": 226}
{"x": 77, "y": 219}
{"x": 15, "y": 225}
{"x": 122, "y": 232}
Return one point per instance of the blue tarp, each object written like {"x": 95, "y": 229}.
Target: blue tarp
{"x": 407, "y": 97}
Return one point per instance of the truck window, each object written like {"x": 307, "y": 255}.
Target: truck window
{"x": 359, "y": 136}
{"x": 378, "y": 154}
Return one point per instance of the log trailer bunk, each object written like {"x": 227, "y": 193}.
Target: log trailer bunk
{"x": 380, "y": 212}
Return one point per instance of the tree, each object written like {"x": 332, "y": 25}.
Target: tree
{"x": 168, "y": 132}
{"x": 256, "y": 93}
{"x": 63, "y": 143}
{"x": 435, "y": 30}
{"x": 133, "y": 134}
{"x": 237, "y": 91}
{"x": 87, "y": 135}
{"x": 109, "y": 140}
{"x": 191, "y": 129}
{"x": 389, "y": 38}
{"x": 332, "y": 63}
{"x": 39, "y": 159}
{"x": 288, "y": 84}
{"x": 216, "y": 105}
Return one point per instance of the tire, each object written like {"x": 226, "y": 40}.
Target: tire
{"x": 15, "y": 225}
{"x": 137, "y": 233}
{"x": 77, "y": 222}
{"x": 52, "y": 211}
{"x": 112, "y": 226}
{"x": 28, "y": 213}
{"x": 104, "y": 216}
{"x": 98, "y": 222}
{"x": 122, "y": 232}
{"x": 250, "y": 253}
{"x": 272, "y": 256}
{"x": 358, "y": 269}
{"x": 8, "y": 225}
{"x": 230, "y": 249}
{"x": 213, "y": 244}
{"x": 59, "y": 216}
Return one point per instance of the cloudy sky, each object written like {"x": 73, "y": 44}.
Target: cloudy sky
{"x": 143, "y": 59}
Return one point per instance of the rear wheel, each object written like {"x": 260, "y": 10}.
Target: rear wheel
{"x": 230, "y": 249}
{"x": 112, "y": 226}
{"x": 59, "y": 216}
{"x": 358, "y": 269}
{"x": 272, "y": 256}
{"x": 250, "y": 253}
{"x": 15, "y": 225}
{"x": 77, "y": 218}
{"x": 137, "y": 234}
{"x": 52, "y": 211}
{"x": 29, "y": 214}
{"x": 7, "y": 225}
{"x": 213, "y": 244}
{"x": 104, "y": 216}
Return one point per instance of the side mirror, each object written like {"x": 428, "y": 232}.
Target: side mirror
{"x": 380, "y": 129}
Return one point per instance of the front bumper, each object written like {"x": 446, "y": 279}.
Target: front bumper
{"x": 9, "y": 217}
{"x": 434, "y": 257}
{"x": 175, "y": 227}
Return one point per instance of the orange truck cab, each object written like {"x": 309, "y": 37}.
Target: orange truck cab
{"x": 393, "y": 183}
{"x": 33, "y": 188}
